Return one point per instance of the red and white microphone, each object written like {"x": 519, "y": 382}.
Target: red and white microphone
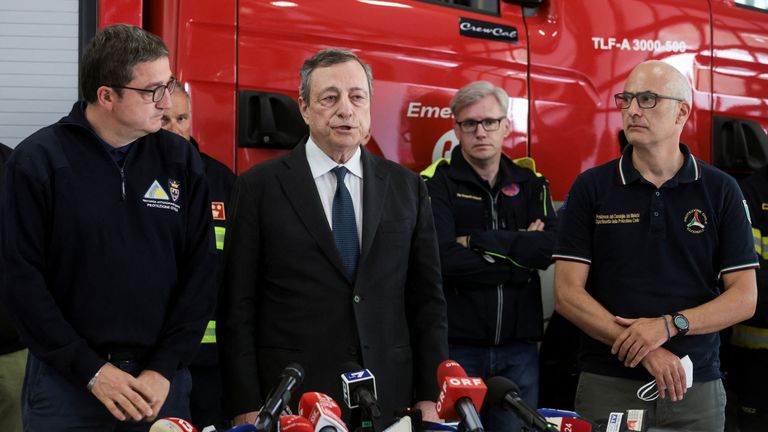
{"x": 295, "y": 423}
{"x": 322, "y": 412}
{"x": 172, "y": 424}
{"x": 460, "y": 396}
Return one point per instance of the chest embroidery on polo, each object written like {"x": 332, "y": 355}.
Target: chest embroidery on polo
{"x": 695, "y": 221}
{"x": 617, "y": 218}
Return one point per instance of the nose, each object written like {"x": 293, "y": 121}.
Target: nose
{"x": 173, "y": 126}
{"x": 634, "y": 107}
{"x": 165, "y": 102}
{"x": 345, "y": 107}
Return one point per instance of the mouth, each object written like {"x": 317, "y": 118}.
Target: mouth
{"x": 343, "y": 128}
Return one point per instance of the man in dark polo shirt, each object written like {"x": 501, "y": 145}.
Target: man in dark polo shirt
{"x": 643, "y": 242}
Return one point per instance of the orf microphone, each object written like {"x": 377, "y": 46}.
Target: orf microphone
{"x": 460, "y": 396}
{"x": 172, "y": 424}
{"x": 295, "y": 423}
{"x": 322, "y": 412}
{"x": 290, "y": 379}
{"x": 504, "y": 394}
{"x": 360, "y": 388}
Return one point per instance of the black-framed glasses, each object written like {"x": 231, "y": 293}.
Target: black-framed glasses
{"x": 157, "y": 92}
{"x": 489, "y": 124}
{"x": 645, "y": 100}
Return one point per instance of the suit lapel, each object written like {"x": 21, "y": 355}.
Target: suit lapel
{"x": 300, "y": 190}
{"x": 375, "y": 183}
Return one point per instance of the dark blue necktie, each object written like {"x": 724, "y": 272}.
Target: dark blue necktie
{"x": 344, "y": 225}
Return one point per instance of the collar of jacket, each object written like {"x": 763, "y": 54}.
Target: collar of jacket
{"x": 460, "y": 170}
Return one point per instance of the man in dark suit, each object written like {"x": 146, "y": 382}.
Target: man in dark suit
{"x": 322, "y": 271}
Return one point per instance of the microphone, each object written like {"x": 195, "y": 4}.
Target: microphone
{"x": 505, "y": 394}
{"x": 323, "y": 413}
{"x": 460, "y": 396}
{"x": 295, "y": 423}
{"x": 290, "y": 378}
{"x": 360, "y": 388}
{"x": 172, "y": 424}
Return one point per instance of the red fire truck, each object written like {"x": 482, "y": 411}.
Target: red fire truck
{"x": 560, "y": 61}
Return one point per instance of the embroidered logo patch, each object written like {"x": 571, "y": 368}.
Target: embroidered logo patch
{"x": 156, "y": 192}
{"x": 511, "y": 190}
{"x": 157, "y": 197}
{"x": 174, "y": 186}
{"x": 695, "y": 221}
{"x": 217, "y": 207}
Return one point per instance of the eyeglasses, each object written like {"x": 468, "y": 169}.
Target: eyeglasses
{"x": 645, "y": 100}
{"x": 157, "y": 92}
{"x": 489, "y": 124}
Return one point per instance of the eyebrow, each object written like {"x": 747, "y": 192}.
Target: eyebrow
{"x": 337, "y": 90}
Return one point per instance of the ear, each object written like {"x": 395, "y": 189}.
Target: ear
{"x": 304, "y": 109}
{"x": 507, "y": 125}
{"x": 683, "y": 112}
{"x": 106, "y": 96}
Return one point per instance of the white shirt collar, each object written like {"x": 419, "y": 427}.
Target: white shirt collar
{"x": 320, "y": 163}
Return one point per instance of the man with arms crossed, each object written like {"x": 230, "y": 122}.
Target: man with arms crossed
{"x": 496, "y": 226}
{"x": 643, "y": 242}
{"x": 330, "y": 256}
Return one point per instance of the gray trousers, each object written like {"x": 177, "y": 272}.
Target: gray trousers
{"x": 701, "y": 410}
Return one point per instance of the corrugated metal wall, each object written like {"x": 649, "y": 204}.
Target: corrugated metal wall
{"x": 38, "y": 64}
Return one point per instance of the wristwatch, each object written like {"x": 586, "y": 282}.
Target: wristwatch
{"x": 681, "y": 323}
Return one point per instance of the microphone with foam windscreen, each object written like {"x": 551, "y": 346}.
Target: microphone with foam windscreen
{"x": 460, "y": 396}
{"x": 290, "y": 378}
{"x": 505, "y": 394}
{"x": 323, "y": 413}
{"x": 295, "y": 423}
{"x": 172, "y": 424}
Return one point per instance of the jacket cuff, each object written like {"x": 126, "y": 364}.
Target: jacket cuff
{"x": 86, "y": 366}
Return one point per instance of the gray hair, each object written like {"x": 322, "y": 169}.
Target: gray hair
{"x": 325, "y": 58}
{"x": 112, "y": 55}
{"x": 474, "y": 91}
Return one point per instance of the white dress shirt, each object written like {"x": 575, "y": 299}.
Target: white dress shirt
{"x": 321, "y": 165}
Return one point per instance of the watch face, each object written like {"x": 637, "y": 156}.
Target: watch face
{"x": 681, "y": 323}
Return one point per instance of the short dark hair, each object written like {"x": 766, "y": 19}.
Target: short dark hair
{"x": 112, "y": 55}
{"x": 325, "y": 58}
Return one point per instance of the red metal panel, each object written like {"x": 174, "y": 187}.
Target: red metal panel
{"x": 417, "y": 56}
{"x": 120, "y": 11}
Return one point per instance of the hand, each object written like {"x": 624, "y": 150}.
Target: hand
{"x": 247, "y": 418}
{"x": 123, "y": 394}
{"x": 463, "y": 240}
{"x": 641, "y": 336}
{"x": 159, "y": 385}
{"x": 668, "y": 371}
{"x": 428, "y": 411}
{"x": 536, "y": 225}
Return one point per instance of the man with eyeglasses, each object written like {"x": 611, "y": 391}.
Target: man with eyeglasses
{"x": 108, "y": 248}
{"x": 643, "y": 243}
{"x": 496, "y": 228}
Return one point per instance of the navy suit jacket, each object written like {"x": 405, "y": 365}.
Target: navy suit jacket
{"x": 287, "y": 298}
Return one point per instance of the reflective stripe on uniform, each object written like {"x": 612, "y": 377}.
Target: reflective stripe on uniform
{"x": 220, "y": 231}
{"x": 210, "y": 333}
{"x": 749, "y": 337}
